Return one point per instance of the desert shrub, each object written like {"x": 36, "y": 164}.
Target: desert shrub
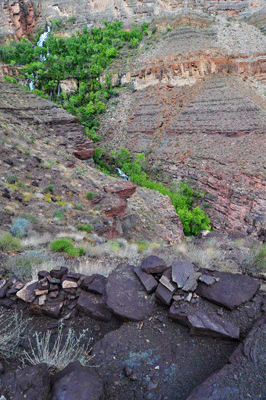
{"x": 79, "y": 206}
{"x": 9, "y": 243}
{"x": 61, "y": 245}
{"x": 64, "y": 350}
{"x": 254, "y": 261}
{"x": 24, "y": 265}
{"x": 21, "y": 228}
{"x": 30, "y": 217}
{"x": 83, "y": 227}
{"x": 12, "y": 329}
{"x": 66, "y": 246}
{"x": 58, "y": 214}
{"x": 90, "y": 195}
{"x": 48, "y": 189}
{"x": 12, "y": 179}
{"x": 142, "y": 245}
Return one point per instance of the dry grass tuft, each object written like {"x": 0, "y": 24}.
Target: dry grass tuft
{"x": 64, "y": 350}
{"x": 12, "y": 329}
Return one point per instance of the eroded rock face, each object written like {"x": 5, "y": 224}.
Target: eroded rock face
{"x": 210, "y": 133}
{"x": 20, "y": 18}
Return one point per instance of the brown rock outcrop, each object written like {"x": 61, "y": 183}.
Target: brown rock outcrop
{"x": 124, "y": 190}
{"x": 83, "y": 154}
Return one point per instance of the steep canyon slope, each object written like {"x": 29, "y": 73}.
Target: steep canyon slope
{"x": 196, "y": 105}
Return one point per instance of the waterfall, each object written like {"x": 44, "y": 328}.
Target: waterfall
{"x": 124, "y": 176}
{"x": 43, "y": 37}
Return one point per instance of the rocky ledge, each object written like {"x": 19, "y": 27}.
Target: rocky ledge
{"x": 219, "y": 305}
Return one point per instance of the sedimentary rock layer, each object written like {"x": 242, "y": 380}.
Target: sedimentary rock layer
{"x": 211, "y": 133}
{"x": 21, "y": 17}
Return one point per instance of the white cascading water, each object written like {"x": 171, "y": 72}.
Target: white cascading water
{"x": 124, "y": 176}
{"x": 43, "y": 37}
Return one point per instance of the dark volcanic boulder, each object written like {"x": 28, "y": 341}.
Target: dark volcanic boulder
{"x": 181, "y": 271}
{"x": 32, "y": 383}
{"x": 230, "y": 290}
{"x": 94, "y": 306}
{"x": 153, "y": 265}
{"x": 126, "y": 296}
{"x": 244, "y": 378}
{"x": 81, "y": 384}
{"x": 201, "y": 323}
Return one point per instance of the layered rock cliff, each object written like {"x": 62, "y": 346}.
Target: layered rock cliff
{"x": 22, "y": 17}
{"x": 198, "y": 110}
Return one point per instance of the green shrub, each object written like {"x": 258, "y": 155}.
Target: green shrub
{"x": 12, "y": 179}
{"x": 58, "y": 214}
{"x": 49, "y": 189}
{"x": 194, "y": 220}
{"x": 142, "y": 245}
{"x": 10, "y": 79}
{"x": 90, "y": 195}
{"x": 62, "y": 245}
{"x": 87, "y": 227}
{"x": 9, "y": 243}
{"x": 66, "y": 246}
{"x": 79, "y": 206}
{"x": 30, "y": 217}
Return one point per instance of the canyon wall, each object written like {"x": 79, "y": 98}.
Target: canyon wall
{"x": 22, "y": 17}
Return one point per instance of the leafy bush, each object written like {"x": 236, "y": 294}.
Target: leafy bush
{"x": 9, "y": 243}
{"x": 10, "y": 79}
{"x": 194, "y": 220}
{"x": 90, "y": 195}
{"x": 87, "y": 227}
{"x": 58, "y": 214}
{"x": 83, "y": 56}
{"x": 21, "y": 227}
{"x": 66, "y": 246}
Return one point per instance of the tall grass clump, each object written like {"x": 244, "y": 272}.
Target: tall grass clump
{"x": 58, "y": 354}
{"x": 12, "y": 329}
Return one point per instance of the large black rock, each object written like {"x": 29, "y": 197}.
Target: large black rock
{"x": 82, "y": 383}
{"x": 31, "y": 383}
{"x": 230, "y": 291}
{"x": 126, "y": 296}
